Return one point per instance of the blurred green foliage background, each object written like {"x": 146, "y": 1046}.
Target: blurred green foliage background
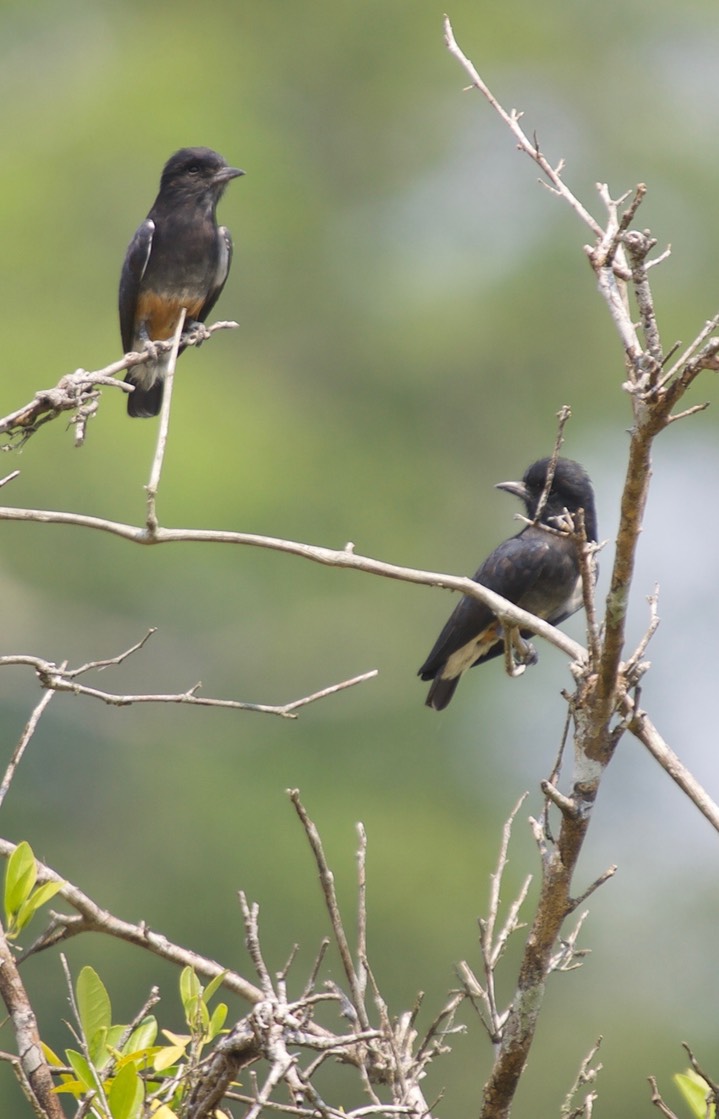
{"x": 414, "y": 310}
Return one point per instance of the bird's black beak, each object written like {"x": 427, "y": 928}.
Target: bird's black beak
{"x": 517, "y": 488}
{"x": 226, "y": 173}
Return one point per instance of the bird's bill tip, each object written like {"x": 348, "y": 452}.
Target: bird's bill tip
{"x": 226, "y": 173}
{"x": 517, "y": 488}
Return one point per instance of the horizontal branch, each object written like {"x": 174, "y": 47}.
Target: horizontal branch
{"x": 58, "y": 678}
{"x": 93, "y": 918}
{"x": 75, "y": 392}
{"x": 345, "y": 558}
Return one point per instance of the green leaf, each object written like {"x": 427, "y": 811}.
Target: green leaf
{"x": 142, "y": 1037}
{"x": 23, "y": 916}
{"x": 189, "y": 986}
{"x": 82, "y": 1069}
{"x": 126, "y": 1094}
{"x": 113, "y": 1036}
{"x": 19, "y": 878}
{"x": 217, "y": 1021}
{"x": 213, "y": 986}
{"x": 44, "y": 893}
{"x": 30, "y": 906}
{"x": 93, "y": 1004}
{"x": 695, "y": 1090}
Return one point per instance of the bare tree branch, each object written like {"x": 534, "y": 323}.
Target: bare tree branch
{"x": 164, "y": 425}
{"x": 25, "y": 737}
{"x": 492, "y": 943}
{"x": 641, "y": 726}
{"x": 600, "y": 707}
{"x": 58, "y": 678}
{"x": 711, "y": 1084}
{"x": 659, "y": 1102}
{"x": 587, "y": 1074}
{"x": 33, "y": 1071}
{"x": 327, "y": 882}
{"x": 345, "y": 558}
{"x": 77, "y": 392}
{"x": 553, "y": 174}
{"x": 93, "y": 918}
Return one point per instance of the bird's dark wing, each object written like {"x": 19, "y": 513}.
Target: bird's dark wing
{"x": 133, "y": 269}
{"x": 224, "y": 241}
{"x": 516, "y": 569}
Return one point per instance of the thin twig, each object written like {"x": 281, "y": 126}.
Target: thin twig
{"x": 640, "y": 725}
{"x": 154, "y": 483}
{"x": 252, "y": 939}
{"x": 604, "y": 877}
{"x": 328, "y": 888}
{"x": 76, "y": 392}
{"x": 362, "y": 911}
{"x": 55, "y": 678}
{"x": 491, "y": 943}
{"x": 566, "y": 805}
{"x": 567, "y": 956}
{"x": 658, "y": 1102}
{"x": 706, "y": 332}
{"x": 314, "y": 972}
{"x": 99, "y": 1089}
{"x": 93, "y": 918}
{"x": 711, "y": 1084}
{"x": 30, "y": 728}
{"x": 563, "y": 416}
{"x": 523, "y": 142}
{"x": 587, "y": 1074}
{"x": 109, "y": 662}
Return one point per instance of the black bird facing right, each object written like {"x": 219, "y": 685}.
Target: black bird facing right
{"x": 536, "y": 570}
{"x": 179, "y": 257}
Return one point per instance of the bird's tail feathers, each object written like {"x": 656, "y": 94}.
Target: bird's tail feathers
{"x": 441, "y": 692}
{"x": 149, "y": 382}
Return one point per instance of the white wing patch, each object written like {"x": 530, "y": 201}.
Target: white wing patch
{"x": 148, "y": 228}
{"x": 223, "y": 263}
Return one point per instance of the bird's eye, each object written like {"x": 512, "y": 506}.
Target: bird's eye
{"x": 193, "y": 169}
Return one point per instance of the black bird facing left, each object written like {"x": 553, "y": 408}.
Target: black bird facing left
{"x": 179, "y": 257}
{"x": 536, "y": 570}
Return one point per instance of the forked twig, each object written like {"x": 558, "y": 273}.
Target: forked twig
{"x": 333, "y": 910}
{"x": 77, "y": 392}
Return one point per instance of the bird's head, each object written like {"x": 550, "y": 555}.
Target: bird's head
{"x": 571, "y": 489}
{"x": 198, "y": 172}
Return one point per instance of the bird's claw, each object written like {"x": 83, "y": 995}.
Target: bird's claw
{"x": 196, "y": 334}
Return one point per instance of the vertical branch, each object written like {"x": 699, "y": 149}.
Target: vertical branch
{"x": 362, "y": 910}
{"x": 154, "y": 483}
{"x": 36, "y": 1072}
{"x": 328, "y": 887}
{"x": 602, "y": 688}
